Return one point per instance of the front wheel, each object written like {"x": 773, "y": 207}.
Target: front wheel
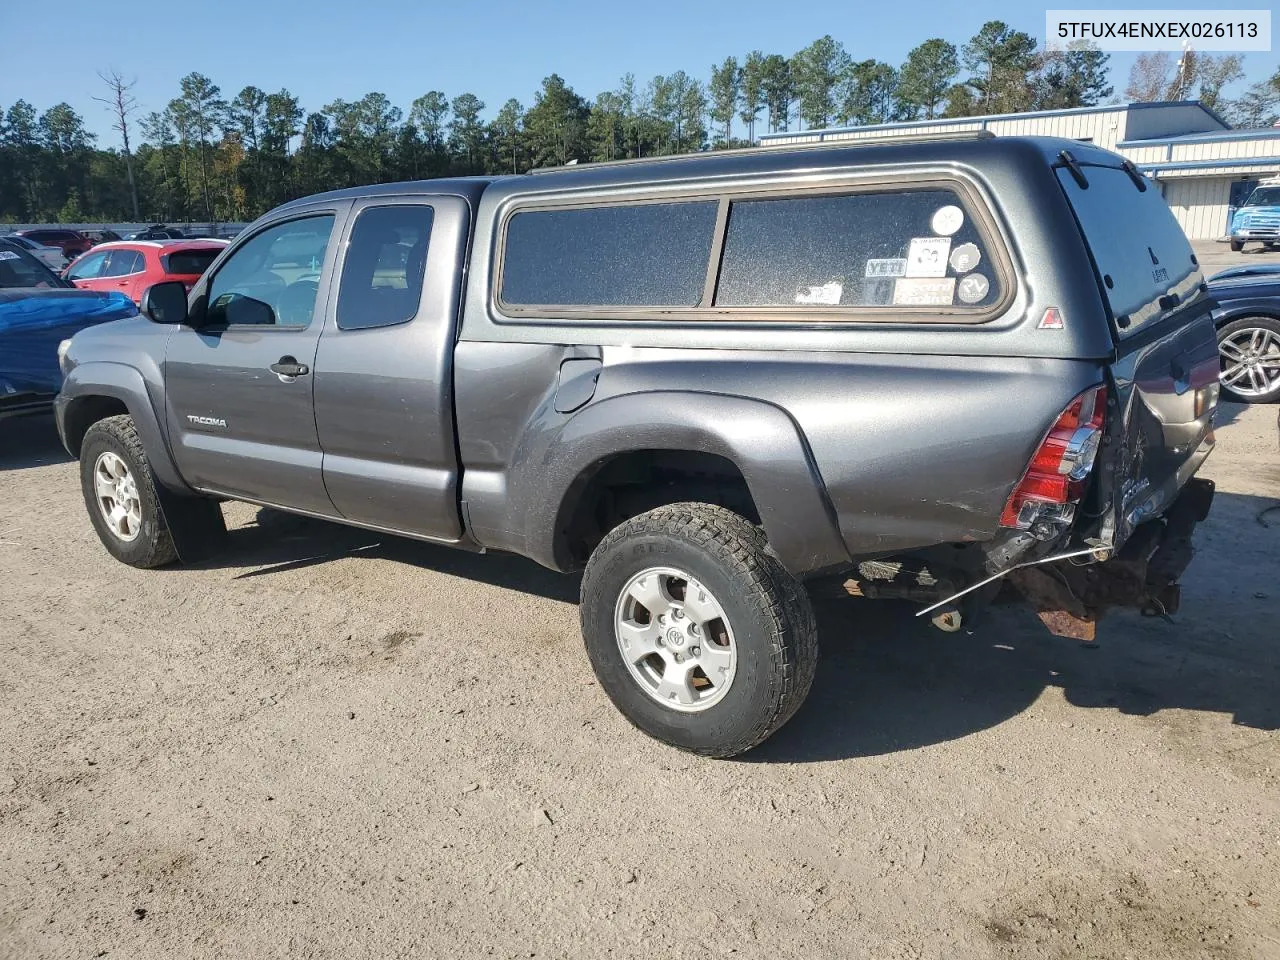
{"x": 1237, "y": 246}
{"x": 1249, "y": 351}
{"x": 696, "y": 633}
{"x": 120, "y": 494}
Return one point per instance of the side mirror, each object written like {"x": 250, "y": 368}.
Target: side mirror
{"x": 165, "y": 302}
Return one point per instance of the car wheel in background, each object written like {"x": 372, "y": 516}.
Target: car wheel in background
{"x": 1249, "y": 351}
{"x": 1237, "y": 246}
{"x": 696, "y": 633}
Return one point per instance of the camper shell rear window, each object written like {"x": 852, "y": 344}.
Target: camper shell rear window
{"x": 1145, "y": 263}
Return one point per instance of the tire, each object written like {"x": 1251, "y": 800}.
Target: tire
{"x": 766, "y": 635}
{"x": 1261, "y": 384}
{"x": 1237, "y": 246}
{"x": 150, "y": 544}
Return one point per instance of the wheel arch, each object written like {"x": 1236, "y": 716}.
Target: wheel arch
{"x": 1232, "y": 312}
{"x": 96, "y": 390}
{"x": 753, "y": 451}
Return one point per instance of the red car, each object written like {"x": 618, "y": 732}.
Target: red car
{"x": 72, "y": 243}
{"x": 131, "y": 266}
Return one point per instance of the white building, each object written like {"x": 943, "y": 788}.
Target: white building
{"x": 1204, "y": 168}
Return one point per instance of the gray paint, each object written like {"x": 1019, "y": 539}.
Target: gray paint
{"x": 384, "y": 398}
{"x": 855, "y": 438}
{"x": 121, "y": 360}
{"x": 262, "y": 444}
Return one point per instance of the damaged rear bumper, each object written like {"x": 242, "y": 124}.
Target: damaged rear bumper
{"x": 1070, "y": 598}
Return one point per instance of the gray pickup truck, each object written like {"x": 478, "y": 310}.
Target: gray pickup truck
{"x": 940, "y": 370}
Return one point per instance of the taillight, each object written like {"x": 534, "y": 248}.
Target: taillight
{"x": 1055, "y": 478}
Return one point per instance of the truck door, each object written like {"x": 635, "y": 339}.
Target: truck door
{"x": 384, "y": 368}
{"x": 239, "y": 388}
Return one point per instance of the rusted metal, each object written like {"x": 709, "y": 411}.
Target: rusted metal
{"x": 1062, "y": 624}
{"x": 1055, "y": 603}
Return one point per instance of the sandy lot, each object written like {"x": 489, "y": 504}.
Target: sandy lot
{"x": 328, "y": 744}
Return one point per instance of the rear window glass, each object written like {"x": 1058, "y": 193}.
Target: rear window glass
{"x": 916, "y": 248}
{"x": 21, "y": 270}
{"x": 385, "y": 266}
{"x": 643, "y": 254}
{"x": 190, "y": 262}
{"x": 1141, "y": 252}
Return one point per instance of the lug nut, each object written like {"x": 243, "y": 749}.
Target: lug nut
{"x": 679, "y": 658}
{"x": 695, "y": 651}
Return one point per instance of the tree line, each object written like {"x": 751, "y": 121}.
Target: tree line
{"x": 207, "y": 156}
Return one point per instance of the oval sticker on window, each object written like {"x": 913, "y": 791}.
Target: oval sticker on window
{"x": 947, "y": 220}
{"x": 965, "y": 257}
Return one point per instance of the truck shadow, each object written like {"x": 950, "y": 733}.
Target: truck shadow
{"x": 889, "y": 682}
{"x": 278, "y": 542}
{"x": 27, "y": 442}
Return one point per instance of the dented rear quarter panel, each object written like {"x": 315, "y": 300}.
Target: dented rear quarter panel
{"x": 913, "y": 434}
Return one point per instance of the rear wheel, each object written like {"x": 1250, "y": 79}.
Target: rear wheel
{"x": 700, "y": 637}
{"x": 1249, "y": 351}
{"x": 1237, "y": 246}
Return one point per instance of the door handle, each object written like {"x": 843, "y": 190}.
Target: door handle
{"x": 289, "y": 367}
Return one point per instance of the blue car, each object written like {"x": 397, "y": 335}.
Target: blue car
{"x": 1247, "y": 316}
{"x": 1258, "y": 218}
{"x": 38, "y": 310}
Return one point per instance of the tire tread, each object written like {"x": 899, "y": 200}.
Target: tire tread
{"x": 742, "y": 548}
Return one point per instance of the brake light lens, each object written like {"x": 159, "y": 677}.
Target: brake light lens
{"x": 1055, "y": 478}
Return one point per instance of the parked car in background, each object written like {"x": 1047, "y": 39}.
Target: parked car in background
{"x": 102, "y": 236}
{"x": 1248, "y": 322}
{"x": 1258, "y": 217}
{"x": 130, "y": 267}
{"x": 156, "y": 232}
{"x": 19, "y": 269}
{"x": 51, "y": 257}
{"x": 38, "y": 309}
{"x": 1248, "y": 270}
{"x": 70, "y": 242}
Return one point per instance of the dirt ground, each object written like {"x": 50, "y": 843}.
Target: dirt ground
{"x": 327, "y": 744}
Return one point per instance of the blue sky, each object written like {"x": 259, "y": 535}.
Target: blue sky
{"x": 325, "y": 49}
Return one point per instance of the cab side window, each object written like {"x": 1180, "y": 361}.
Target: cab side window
{"x": 273, "y": 279}
{"x": 385, "y": 266}
{"x": 121, "y": 263}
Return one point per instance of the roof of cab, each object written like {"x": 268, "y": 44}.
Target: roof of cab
{"x": 469, "y": 188}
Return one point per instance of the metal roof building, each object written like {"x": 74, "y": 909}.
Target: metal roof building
{"x": 1204, "y": 168}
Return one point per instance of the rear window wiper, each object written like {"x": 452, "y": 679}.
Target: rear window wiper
{"x": 1069, "y": 161}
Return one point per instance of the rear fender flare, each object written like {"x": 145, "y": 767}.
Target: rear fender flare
{"x": 760, "y": 439}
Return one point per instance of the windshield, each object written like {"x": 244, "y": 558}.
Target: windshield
{"x": 1264, "y": 197}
